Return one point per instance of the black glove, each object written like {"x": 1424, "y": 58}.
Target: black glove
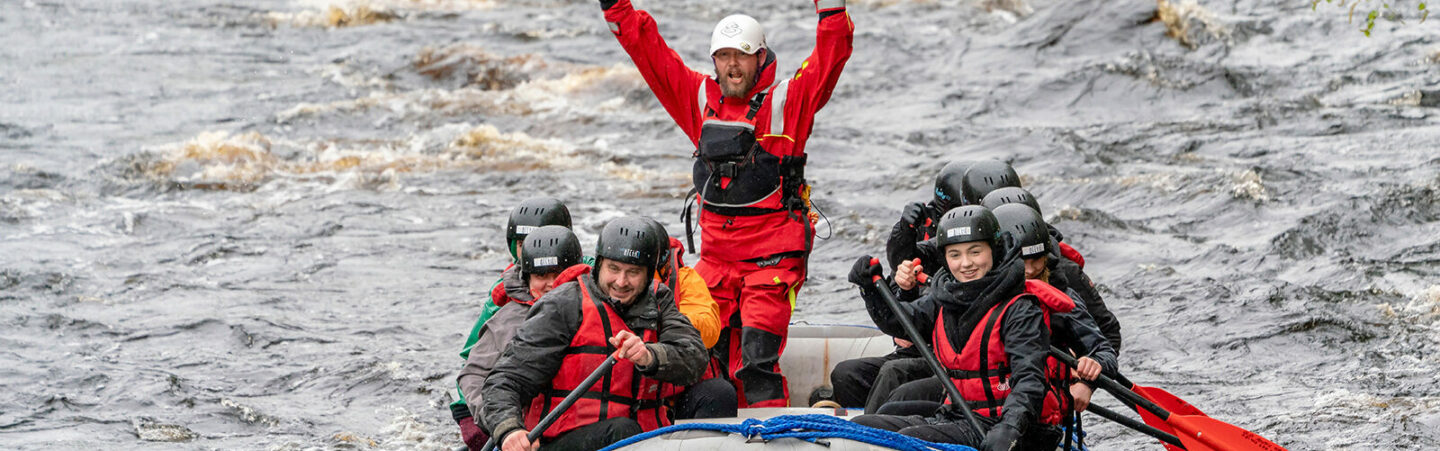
{"x": 1002, "y": 437}
{"x": 912, "y": 214}
{"x": 606, "y": 4}
{"x": 865, "y": 271}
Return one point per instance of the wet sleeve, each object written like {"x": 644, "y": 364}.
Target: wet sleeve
{"x": 1104, "y": 319}
{"x": 487, "y": 310}
{"x": 901, "y": 245}
{"x": 1083, "y": 337}
{"x": 680, "y": 356}
{"x": 493, "y": 338}
{"x": 695, "y": 302}
{"x": 674, "y": 84}
{"x": 815, "y": 80}
{"x": 1027, "y": 343}
{"x": 530, "y": 361}
{"x": 920, "y": 311}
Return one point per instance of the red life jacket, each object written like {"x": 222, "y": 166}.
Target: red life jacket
{"x": 497, "y": 293}
{"x": 747, "y": 165}
{"x": 985, "y": 391}
{"x": 621, "y": 393}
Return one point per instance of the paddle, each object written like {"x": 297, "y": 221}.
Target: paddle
{"x": 1159, "y": 396}
{"x": 1164, "y": 399}
{"x": 1196, "y": 432}
{"x": 1136, "y": 425}
{"x": 919, "y": 342}
{"x": 564, "y": 404}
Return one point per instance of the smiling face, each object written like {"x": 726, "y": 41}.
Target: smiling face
{"x": 621, "y": 281}
{"x": 542, "y": 283}
{"x": 736, "y": 71}
{"x": 968, "y": 261}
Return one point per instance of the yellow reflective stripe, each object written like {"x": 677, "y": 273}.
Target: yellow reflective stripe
{"x": 790, "y": 293}
{"x": 787, "y": 137}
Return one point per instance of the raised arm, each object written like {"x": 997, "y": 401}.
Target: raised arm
{"x": 674, "y": 84}
{"x": 813, "y": 83}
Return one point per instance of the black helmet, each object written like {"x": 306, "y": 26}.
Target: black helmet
{"x": 987, "y": 176}
{"x": 947, "y": 185}
{"x": 550, "y": 249}
{"x": 968, "y": 223}
{"x": 1027, "y": 227}
{"x": 532, "y": 214}
{"x": 662, "y": 252}
{"x": 629, "y": 239}
{"x": 1010, "y": 195}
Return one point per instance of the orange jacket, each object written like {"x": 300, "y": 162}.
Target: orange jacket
{"x": 693, "y": 299}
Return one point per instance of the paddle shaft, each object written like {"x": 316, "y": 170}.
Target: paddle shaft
{"x": 1115, "y": 388}
{"x": 919, "y": 342}
{"x": 564, "y": 404}
{"x": 1136, "y": 425}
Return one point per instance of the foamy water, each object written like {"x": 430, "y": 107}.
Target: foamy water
{"x": 267, "y": 225}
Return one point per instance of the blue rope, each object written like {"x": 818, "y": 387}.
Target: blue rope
{"x": 804, "y": 427}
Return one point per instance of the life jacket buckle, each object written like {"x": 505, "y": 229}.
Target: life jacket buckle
{"x": 728, "y": 170}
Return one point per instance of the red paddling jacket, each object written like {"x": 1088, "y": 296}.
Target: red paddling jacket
{"x": 749, "y": 153}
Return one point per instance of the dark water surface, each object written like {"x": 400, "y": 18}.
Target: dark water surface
{"x": 233, "y": 225}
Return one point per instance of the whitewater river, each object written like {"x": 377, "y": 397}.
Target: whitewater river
{"x": 268, "y": 224}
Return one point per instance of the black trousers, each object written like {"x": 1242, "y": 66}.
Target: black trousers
{"x": 853, "y": 379}
{"x": 908, "y": 379}
{"x": 917, "y": 397}
{"x": 710, "y": 398}
{"x": 930, "y": 429}
{"x": 594, "y": 436}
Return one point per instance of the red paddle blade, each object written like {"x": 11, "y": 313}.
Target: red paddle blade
{"x": 1169, "y": 401}
{"x": 1209, "y": 433}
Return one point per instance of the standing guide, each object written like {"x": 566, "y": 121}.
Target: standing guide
{"x": 749, "y": 134}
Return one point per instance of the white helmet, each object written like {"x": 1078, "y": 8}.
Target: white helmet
{"x": 740, "y": 32}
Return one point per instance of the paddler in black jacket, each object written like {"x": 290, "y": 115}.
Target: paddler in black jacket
{"x": 1065, "y": 265}
{"x": 982, "y": 298}
{"x": 571, "y": 330}
{"x": 1074, "y": 331}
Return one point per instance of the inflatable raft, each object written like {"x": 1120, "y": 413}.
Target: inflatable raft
{"x": 811, "y": 353}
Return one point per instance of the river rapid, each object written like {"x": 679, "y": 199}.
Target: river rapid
{"x": 269, "y": 224}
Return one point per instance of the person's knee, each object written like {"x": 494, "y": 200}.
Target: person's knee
{"x": 760, "y": 347}
{"x": 847, "y": 373}
{"x": 711, "y": 398}
{"x": 908, "y": 408}
{"x": 619, "y": 429}
{"x": 874, "y": 421}
{"x": 921, "y": 390}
